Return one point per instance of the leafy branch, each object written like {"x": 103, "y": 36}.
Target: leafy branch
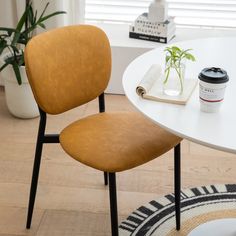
{"x": 174, "y": 59}
{"x": 15, "y": 39}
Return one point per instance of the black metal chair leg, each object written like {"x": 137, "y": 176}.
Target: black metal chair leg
{"x": 113, "y": 204}
{"x": 37, "y": 160}
{"x": 177, "y": 170}
{"x": 34, "y": 183}
{"x": 101, "y": 100}
{"x": 105, "y": 178}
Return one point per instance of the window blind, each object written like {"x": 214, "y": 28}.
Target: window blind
{"x": 187, "y": 13}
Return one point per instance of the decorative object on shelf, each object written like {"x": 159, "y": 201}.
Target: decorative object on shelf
{"x": 173, "y": 83}
{"x": 155, "y": 25}
{"x": 158, "y": 11}
{"x": 14, "y": 40}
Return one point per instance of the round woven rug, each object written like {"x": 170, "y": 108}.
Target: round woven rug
{"x": 198, "y": 205}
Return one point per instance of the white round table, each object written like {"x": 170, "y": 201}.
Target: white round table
{"x": 215, "y": 130}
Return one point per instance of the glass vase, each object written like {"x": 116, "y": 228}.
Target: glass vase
{"x": 173, "y": 84}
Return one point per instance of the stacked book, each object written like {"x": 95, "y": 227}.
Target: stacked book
{"x": 145, "y": 29}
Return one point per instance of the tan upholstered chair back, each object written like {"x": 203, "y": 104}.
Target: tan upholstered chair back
{"x": 68, "y": 67}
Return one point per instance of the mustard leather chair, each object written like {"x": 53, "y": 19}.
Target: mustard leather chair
{"x": 68, "y": 67}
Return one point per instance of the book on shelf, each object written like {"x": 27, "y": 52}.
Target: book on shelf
{"x": 145, "y": 29}
{"x": 151, "y": 87}
{"x": 142, "y": 21}
{"x": 154, "y": 38}
{"x": 152, "y": 32}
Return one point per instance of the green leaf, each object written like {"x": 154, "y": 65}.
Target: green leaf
{"x": 29, "y": 30}
{"x": 168, "y": 50}
{"x": 9, "y": 59}
{"x": 15, "y": 49}
{"x": 44, "y": 10}
{"x": 4, "y": 65}
{"x": 40, "y": 22}
{"x": 174, "y": 55}
{"x": 4, "y": 36}
{"x": 31, "y": 15}
{"x": 22, "y": 20}
{"x": 17, "y": 72}
{"x": 20, "y": 59}
{"x": 167, "y": 73}
{"x": 3, "y": 45}
{"x": 50, "y": 15}
{"x": 16, "y": 38}
{"x": 22, "y": 39}
{"x": 176, "y": 49}
{"x": 8, "y": 30}
{"x": 168, "y": 58}
{"x": 187, "y": 50}
{"x": 35, "y": 17}
{"x": 42, "y": 25}
{"x": 20, "y": 25}
{"x": 190, "y": 57}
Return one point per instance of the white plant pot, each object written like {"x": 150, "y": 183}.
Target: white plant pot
{"x": 19, "y": 98}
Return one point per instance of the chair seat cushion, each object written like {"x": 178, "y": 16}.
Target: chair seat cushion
{"x": 114, "y": 142}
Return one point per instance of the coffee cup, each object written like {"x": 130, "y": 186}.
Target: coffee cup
{"x": 212, "y": 84}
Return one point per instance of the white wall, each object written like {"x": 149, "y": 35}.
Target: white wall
{"x": 7, "y": 16}
{"x": 121, "y": 57}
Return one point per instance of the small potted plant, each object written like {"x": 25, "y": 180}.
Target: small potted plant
{"x": 20, "y": 99}
{"x": 173, "y": 84}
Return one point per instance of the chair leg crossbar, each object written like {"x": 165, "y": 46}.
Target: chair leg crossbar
{"x": 109, "y": 178}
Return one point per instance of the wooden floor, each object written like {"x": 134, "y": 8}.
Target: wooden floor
{"x": 71, "y": 198}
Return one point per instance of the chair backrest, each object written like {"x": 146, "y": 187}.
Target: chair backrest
{"x": 68, "y": 66}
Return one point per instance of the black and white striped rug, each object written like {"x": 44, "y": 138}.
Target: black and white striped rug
{"x": 198, "y": 205}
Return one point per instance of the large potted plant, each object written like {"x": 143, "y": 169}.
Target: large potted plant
{"x": 19, "y": 97}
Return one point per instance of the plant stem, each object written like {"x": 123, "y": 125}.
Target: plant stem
{"x": 167, "y": 73}
{"x": 180, "y": 77}
{"x": 27, "y": 3}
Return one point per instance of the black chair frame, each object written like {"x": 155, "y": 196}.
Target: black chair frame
{"x": 110, "y": 178}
